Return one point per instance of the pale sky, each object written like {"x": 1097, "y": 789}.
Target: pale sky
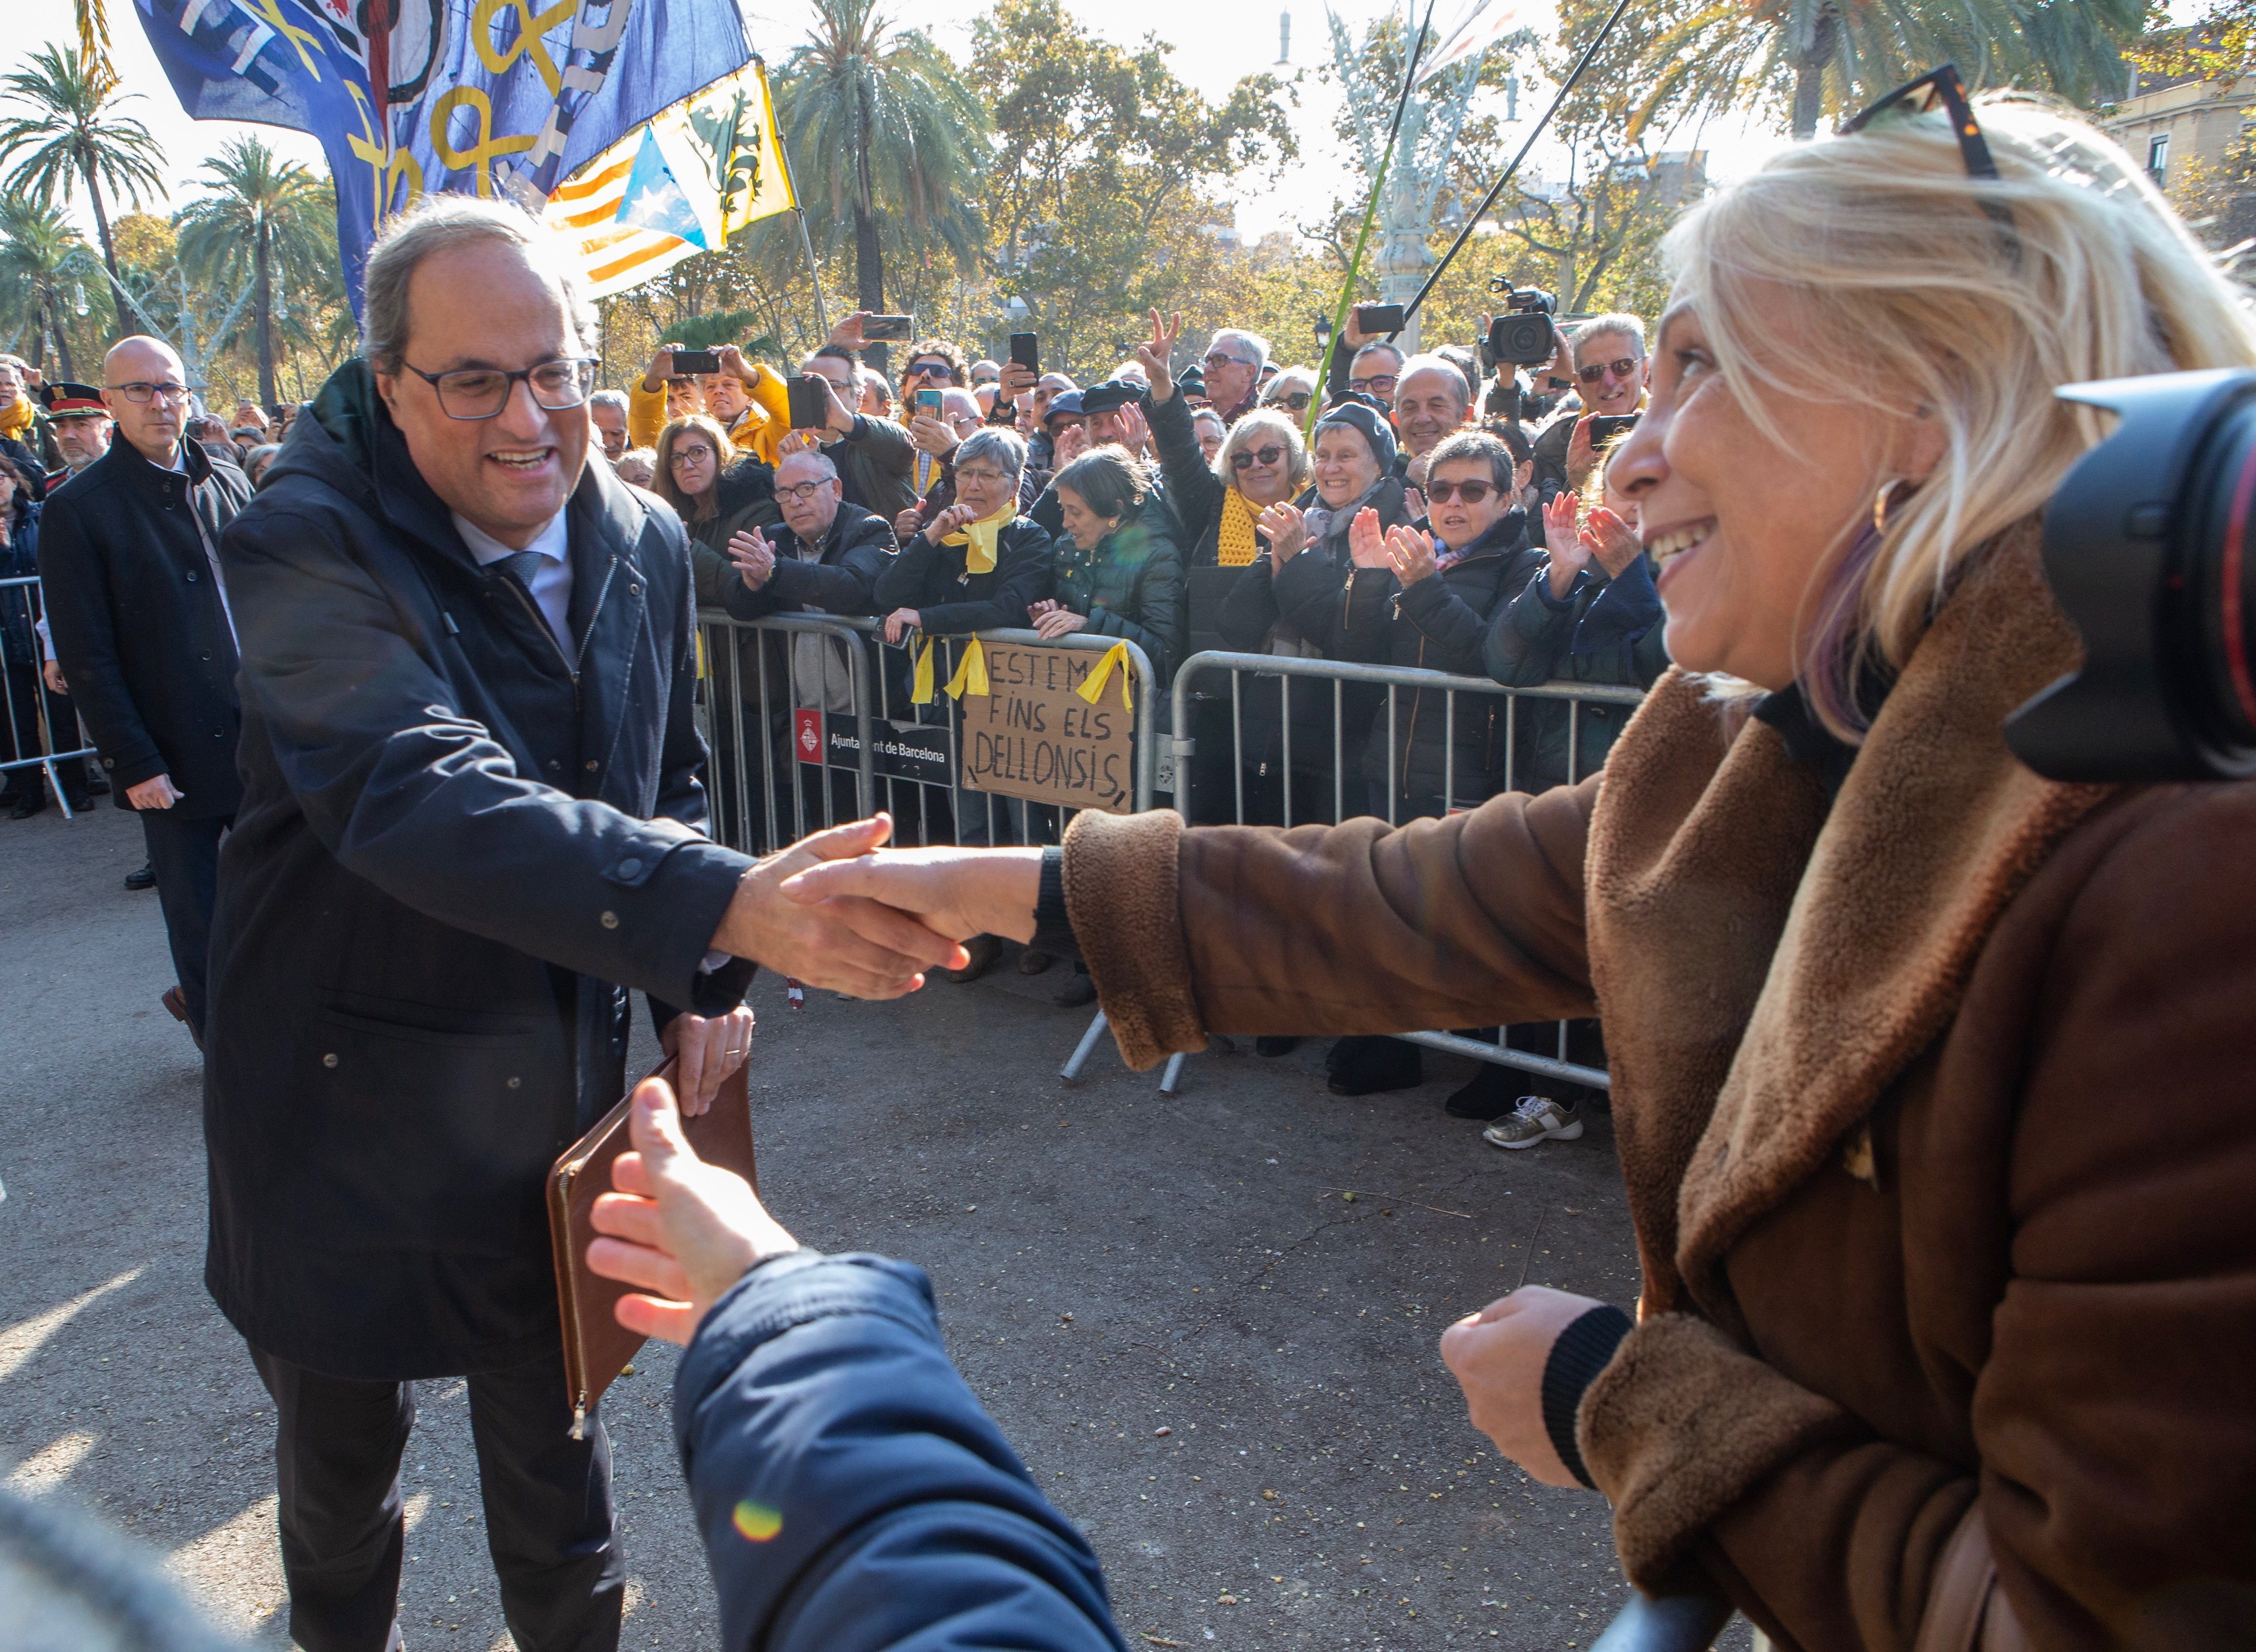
{"x": 1216, "y": 47}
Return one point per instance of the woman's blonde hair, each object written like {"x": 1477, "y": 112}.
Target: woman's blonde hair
{"x": 663, "y": 485}
{"x": 1248, "y": 433}
{"x": 1923, "y": 291}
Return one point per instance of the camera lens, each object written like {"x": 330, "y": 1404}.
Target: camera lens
{"x": 2150, "y": 545}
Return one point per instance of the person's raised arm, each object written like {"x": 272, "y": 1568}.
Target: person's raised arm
{"x": 852, "y": 1494}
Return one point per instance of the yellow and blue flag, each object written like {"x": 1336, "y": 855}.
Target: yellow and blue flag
{"x": 486, "y": 97}
{"x": 685, "y": 183}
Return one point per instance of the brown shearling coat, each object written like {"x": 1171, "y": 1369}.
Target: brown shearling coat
{"x": 1935, "y": 1111}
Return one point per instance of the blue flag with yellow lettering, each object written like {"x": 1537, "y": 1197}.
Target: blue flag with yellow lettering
{"x": 486, "y": 97}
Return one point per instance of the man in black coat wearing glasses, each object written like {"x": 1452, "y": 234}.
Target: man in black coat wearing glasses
{"x": 473, "y": 818}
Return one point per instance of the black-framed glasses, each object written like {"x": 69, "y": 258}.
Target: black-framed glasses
{"x": 140, "y": 393}
{"x": 1298, "y": 400}
{"x": 801, "y": 492}
{"x": 482, "y": 392}
{"x": 928, "y": 369}
{"x": 1246, "y": 458}
{"x": 1377, "y": 384}
{"x": 1624, "y": 369}
{"x": 1940, "y": 88}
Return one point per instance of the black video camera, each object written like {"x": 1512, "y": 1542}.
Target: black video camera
{"x": 1525, "y": 334}
{"x": 2147, "y": 544}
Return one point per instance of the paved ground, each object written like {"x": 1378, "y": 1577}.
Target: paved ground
{"x": 1219, "y": 1363}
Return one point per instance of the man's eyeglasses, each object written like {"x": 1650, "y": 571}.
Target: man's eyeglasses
{"x": 1940, "y": 88}
{"x": 1624, "y": 369}
{"x": 1470, "y": 492}
{"x": 927, "y": 370}
{"x": 482, "y": 392}
{"x": 1377, "y": 384}
{"x": 1298, "y": 400}
{"x": 1218, "y": 358}
{"x": 800, "y": 492}
{"x": 140, "y": 393}
{"x": 1246, "y": 458}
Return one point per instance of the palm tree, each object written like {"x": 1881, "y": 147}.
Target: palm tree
{"x": 268, "y": 219}
{"x": 93, "y": 31}
{"x": 75, "y": 135}
{"x": 42, "y": 258}
{"x": 884, "y": 129}
{"x": 1803, "y": 56}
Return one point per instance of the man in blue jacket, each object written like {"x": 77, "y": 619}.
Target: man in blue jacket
{"x": 851, "y": 1493}
{"x": 472, "y": 818}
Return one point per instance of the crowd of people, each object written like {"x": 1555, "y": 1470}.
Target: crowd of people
{"x": 431, "y": 672}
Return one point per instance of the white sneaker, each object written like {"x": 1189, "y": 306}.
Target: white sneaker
{"x": 1536, "y": 1118}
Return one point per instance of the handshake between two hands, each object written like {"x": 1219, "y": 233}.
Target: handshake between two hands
{"x": 839, "y": 910}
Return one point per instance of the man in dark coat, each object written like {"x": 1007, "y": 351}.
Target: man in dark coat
{"x": 139, "y": 610}
{"x": 472, "y": 819}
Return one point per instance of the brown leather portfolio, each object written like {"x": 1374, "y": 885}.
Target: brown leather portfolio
{"x": 596, "y": 1347}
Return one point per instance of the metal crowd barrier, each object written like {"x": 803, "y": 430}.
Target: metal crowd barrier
{"x": 891, "y": 754}
{"x": 27, "y": 700}
{"x": 1346, "y": 730}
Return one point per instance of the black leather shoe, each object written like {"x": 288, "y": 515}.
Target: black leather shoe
{"x": 24, "y": 807}
{"x": 1380, "y": 1064}
{"x": 1488, "y": 1094}
{"x": 1270, "y": 1044}
{"x": 1077, "y": 991}
{"x": 144, "y": 878}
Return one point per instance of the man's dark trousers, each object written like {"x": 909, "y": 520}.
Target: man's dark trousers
{"x": 186, "y": 855}
{"x": 548, "y": 1511}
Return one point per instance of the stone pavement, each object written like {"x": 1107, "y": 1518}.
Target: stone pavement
{"x": 1208, "y": 1322}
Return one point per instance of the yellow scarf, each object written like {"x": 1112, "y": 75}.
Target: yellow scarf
{"x": 981, "y": 536}
{"x": 16, "y": 417}
{"x": 1235, "y": 546}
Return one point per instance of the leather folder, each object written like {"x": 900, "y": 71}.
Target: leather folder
{"x": 597, "y": 1347}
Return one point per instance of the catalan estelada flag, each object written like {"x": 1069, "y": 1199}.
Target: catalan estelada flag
{"x": 683, "y": 184}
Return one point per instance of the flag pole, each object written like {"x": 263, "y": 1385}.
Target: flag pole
{"x": 1369, "y": 212}
{"x": 1473, "y": 218}
{"x": 783, "y": 158}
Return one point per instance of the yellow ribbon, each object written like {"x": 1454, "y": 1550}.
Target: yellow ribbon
{"x": 981, "y": 536}
{"x": 1093, "y": 689}
{"x": 970, "y": 673}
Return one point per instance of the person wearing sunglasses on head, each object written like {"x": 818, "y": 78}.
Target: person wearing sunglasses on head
{"x": 1610, "y": 374}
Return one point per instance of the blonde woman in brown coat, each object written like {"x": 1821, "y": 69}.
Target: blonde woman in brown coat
{"x": 1932, "y": 1078}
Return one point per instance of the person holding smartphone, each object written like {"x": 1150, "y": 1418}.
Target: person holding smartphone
{"x": 1610, "y": 373}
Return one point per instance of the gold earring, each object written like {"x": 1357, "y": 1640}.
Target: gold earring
{"x": 1880, "y": 505}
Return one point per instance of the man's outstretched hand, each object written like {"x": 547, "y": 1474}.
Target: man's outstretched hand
{"x": 840, "y": 939}
{"x": 676, "y": 1227}
{"x": 958, "y": 892}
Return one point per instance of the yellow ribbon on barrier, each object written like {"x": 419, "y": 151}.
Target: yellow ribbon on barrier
{"x": 971, "y": 672}
{"x": 1093, "y": 689}
{"x": 921, "y": 689}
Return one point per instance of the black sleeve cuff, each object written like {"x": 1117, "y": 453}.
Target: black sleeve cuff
{"x": 1053, "y": 924}
{"x": 1582, "y": 1352}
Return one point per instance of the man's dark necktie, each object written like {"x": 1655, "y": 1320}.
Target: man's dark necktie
{"x": 520, "y": 566}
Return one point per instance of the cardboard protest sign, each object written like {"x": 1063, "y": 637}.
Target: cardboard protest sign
{"x": 1033, "y": 736}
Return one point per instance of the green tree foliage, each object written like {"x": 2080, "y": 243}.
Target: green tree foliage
{"x": 883, "y": 133}
{"x": 1097, "y": 205}
{"x": 1794, "y": 61}
{"x": 46, "y": 270}
{"x": 266, "y": 220}
{"x": 65, "y": 131}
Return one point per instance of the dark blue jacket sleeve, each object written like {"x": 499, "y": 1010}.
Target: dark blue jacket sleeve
{"x": 851, "y": 1493}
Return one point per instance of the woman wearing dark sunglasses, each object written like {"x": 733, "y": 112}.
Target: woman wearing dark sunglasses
{"x": 1930, "y": 1077}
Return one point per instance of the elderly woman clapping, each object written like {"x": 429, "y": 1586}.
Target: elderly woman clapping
{"x": 1219, "y": 501}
